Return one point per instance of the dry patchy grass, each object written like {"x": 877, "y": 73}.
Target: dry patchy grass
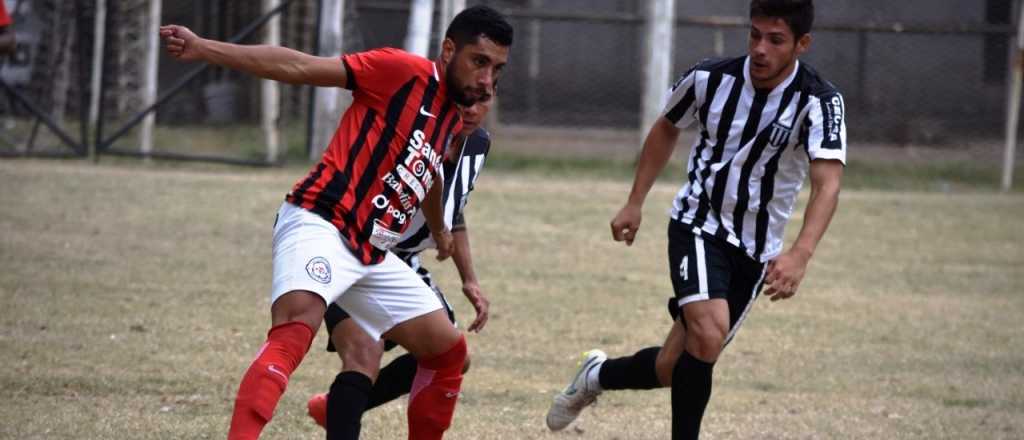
{"x": 132, "y": 299}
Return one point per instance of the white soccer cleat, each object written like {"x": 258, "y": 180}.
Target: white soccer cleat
{"x": 570, "y": 402}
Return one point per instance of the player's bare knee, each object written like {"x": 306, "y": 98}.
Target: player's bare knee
{"x": 705, "y": 339}
{"x": 298, "y": 305}
{"x": 465, "y": 365}
{"x": 358, "y": 350}
{"x": 362, "y": 357}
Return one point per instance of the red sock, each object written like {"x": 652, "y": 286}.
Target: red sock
{"x": 434, "y": 393}
{"x": 267, "y": 378}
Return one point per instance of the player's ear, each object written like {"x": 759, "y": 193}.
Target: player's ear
{"x": 803, "y": 43}
{"x": 447, "y": 50}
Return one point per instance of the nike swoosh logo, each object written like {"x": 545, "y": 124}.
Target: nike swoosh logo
{"x": 273, "y": 369}
{"x": 424, "y": 112}
{"x": 451, "y": 395}
{"x": 582, "y": 372}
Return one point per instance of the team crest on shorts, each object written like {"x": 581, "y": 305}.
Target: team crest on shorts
{"x": 319, "y": 270}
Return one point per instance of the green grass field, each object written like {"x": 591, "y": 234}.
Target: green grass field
{"x": 132, "y": 299}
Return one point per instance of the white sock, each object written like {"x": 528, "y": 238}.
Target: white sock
{"x": 593, "y": 379}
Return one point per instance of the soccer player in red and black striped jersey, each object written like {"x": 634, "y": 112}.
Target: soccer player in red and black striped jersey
{"x": 334, "y": 230}
{"x": 360, "y": 354}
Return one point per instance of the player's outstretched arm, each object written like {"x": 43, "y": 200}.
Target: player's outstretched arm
{"x": 270, "y": 62}
{"x": 658, "y": 147}
{"x": 463, "y": 258}
{"x": 787, "y": 270}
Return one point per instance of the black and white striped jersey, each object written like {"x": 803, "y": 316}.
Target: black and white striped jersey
{"x": 753, "y": 151}
{"x": 459, "y": 178}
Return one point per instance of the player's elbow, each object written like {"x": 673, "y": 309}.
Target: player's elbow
{"x": 826, "y": 177}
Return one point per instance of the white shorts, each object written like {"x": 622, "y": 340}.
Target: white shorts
{"x": 309, "y": 254}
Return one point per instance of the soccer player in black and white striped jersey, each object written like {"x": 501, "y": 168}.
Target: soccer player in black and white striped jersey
{"x": 765, "y": 122}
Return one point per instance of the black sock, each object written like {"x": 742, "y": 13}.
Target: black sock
{"x": 691, "y": 389}
{"x": 394, "y": 381}
{"x": 345, "y": 405}
{"x": 636, "y": 372}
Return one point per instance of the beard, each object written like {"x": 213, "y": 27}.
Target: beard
{"x": 457, "y": 93}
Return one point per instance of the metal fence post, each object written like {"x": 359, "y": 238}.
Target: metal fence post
{"x": 149, "y": 76}
{"x": 97, "y": 71}
{"x": 660, "y": 24}
{"x": 417, "y": 37}
{"x": 1013, "y": 104}
{"x": 311, "y": 113}
{"x": 270, "y": 91}
{"x": 327, "y": 102}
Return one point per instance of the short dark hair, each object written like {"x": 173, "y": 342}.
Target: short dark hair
{"x": 798, "y": 14}
{"x": 479, "y": 20}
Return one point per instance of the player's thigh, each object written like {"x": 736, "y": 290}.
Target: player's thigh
{"x": 746, "y": 284}
{"x": 700, "y": 270}
{"x": 426, "y": 335}
{"x": 391, "y": 299}
{"x": 309, "y": 259}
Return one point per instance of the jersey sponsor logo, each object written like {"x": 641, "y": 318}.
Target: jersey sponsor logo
{"x": 319, "y": 270}
{"x": 418, "y": 149}
{"x": 420, "y": 164}
{"x": 381, "y": 202}
{"x": 834, "y": 118}
{"x": 403, "y": 196}
{"x": 424, "y": 112}
{"x": 411, "y": 181}
{"x": 383, "y": 238}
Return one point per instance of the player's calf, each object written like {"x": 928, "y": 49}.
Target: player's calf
{"x": 267, "y": 378}
{"x": 435, "y": 390}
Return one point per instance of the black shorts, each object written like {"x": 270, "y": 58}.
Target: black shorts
{"x": 704, "y": 267}
{"x": 336, "y": 314}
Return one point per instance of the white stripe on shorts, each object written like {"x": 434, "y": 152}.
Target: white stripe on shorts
{"x": 702, "y": 275}
{"x": 702, "y": 269}
{"x": 753, "y": 296}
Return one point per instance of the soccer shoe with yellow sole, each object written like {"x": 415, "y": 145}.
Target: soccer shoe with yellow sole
{"x": 568, "y": 403}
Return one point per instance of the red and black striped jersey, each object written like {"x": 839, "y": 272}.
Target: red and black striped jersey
{"x": 386, "y": 151}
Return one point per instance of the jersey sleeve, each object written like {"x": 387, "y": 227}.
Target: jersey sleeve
{"x": 378, "y": 72}
{"x": 826, "y": 127}
{"x": 683, "y": 95}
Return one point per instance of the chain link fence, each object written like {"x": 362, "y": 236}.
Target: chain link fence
{"x": 928, "y": 72}
{"x": 39, "y": 113}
